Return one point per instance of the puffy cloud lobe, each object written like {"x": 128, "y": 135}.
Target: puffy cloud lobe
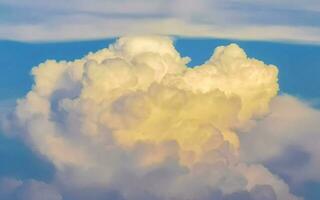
{"x": 290, "y": 140}
{"x": 259, "y": 192}
{"x": 135, "y": 113}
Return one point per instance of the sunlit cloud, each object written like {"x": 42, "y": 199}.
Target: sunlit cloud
{"x": 134, "y": 119}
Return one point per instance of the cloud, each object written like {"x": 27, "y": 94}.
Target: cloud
{"x": 12, "y": 189}
{"x": 134, "y": 120}
{"x": 286, "y": 142}
{"x": 273, "y": 20}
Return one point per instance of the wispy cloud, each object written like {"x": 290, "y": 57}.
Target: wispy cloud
{"x": 74, "y": 20}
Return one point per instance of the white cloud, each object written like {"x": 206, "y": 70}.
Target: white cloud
{"x": 312, "y": 5}
{"x": 134, "y": 118}
{"x": 74, "y": 20}
{"x": 12, "y": 189}
{"x": 291, "y": 127}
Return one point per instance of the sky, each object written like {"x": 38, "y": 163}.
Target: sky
{"x": 290, "y": 20}
{"x": 159, "y": 100}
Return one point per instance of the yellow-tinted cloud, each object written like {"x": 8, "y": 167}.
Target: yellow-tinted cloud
{"x": 127, "y": 111}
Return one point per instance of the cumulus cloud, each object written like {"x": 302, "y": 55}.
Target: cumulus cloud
{"x": 286, "y": 142}
{"x": 134, "y": 120}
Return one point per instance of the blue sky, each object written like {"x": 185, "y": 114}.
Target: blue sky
{"x": 298, "y": 63}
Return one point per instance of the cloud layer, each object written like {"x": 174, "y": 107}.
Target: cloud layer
{"x": 37, "y": 20}
{"x": 135, "y": 121}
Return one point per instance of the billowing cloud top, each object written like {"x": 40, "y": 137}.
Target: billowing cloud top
{"x": 135, "y": 119}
